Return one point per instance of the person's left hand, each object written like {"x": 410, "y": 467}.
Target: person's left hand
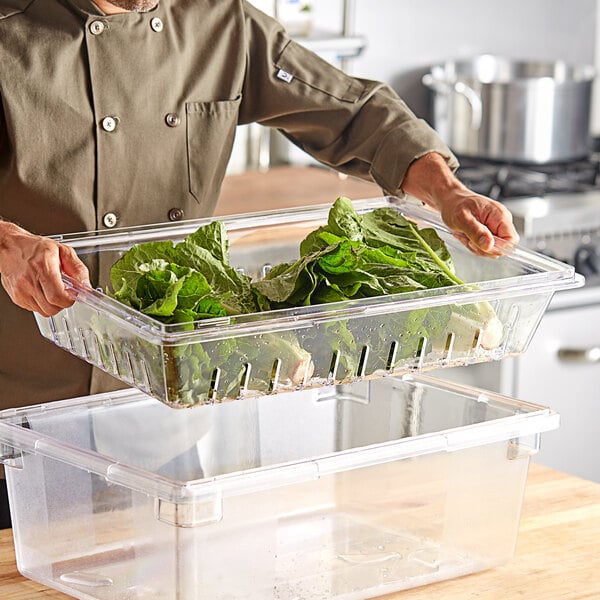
{"x": 475, "y": 220}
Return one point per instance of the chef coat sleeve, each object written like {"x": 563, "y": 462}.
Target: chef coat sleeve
{"x": 356, "y": 126}
{"x": 3, "y": 155}
{"x": 3, "y": 134}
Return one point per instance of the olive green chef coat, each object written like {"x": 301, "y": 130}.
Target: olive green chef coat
{"x": 129, "y": 119}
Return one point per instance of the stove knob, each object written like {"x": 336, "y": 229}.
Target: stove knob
{"x": 587, "y": 260}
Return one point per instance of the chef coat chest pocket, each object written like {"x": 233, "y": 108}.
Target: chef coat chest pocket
{"x": 210, "y": 133}
{"x": 296, "y": 62}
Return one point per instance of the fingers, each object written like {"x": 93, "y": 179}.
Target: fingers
{"x": 507, "y": 231}
{"x": 498, "y": 219}
{"x": 38, "y": 289}
{"x": 54, "y": 296}
{"x": 484, "y": 225}
{"x": 71, "y": 265}
{"x": 31, "y": 273}
{"x": 474, "y": 234}
{"x": 475, "y": 249}
{"x": 478, "y": 234}
{"x": 36, "y": 295}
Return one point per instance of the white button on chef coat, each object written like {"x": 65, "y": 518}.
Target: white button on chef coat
{"x": 156, "y": 24}
{"x": 97, "y": 27}
{"x": 109, "y": 220}
{"x": 109, "y": 124}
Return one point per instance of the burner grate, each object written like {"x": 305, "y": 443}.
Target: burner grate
{"x": 507, "y": 180}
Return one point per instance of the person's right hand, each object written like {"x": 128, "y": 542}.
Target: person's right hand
{"x": 31, "y": 267}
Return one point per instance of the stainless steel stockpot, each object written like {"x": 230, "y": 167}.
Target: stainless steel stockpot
{"x": 521, "y": 111}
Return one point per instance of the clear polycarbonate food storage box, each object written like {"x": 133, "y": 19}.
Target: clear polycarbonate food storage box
{"x": 490, "y": 317}
{"x": 340, "y": 492}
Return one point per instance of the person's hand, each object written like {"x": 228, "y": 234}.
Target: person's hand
{"x": 474, "y": 219}
{"x": 31, "y": 267}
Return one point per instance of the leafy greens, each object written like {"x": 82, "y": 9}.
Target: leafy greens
{"x": 353, "y": 256}
{"x": 358, "y": 257}
{"x": 188, "y": 281}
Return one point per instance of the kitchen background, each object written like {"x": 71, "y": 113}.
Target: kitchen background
{"x": 398, "y": 42}
{"x": 404, "y": 38}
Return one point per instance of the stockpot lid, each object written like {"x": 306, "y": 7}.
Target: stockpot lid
{"x": 489, "y": 69}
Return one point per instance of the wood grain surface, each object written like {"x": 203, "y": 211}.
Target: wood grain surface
{"x": 286, "y": 187}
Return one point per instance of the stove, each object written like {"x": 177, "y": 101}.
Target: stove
{"x": 501, "y": 180}
{"x": 555, "y": 207}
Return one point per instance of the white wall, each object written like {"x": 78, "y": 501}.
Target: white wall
{"x": 595, "y": 116}
{"x": 405, "y": 36}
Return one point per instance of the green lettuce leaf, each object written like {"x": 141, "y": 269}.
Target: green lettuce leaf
{"x": 354, "y": 256}
{"x": 192, "y": 278}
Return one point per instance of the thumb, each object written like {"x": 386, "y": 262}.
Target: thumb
{"x": 72, "y": 266}
{"x": 485, "y": 241}
{"x": 479, "y": 235}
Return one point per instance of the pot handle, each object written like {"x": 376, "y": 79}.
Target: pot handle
{"x": 461, "y": 88}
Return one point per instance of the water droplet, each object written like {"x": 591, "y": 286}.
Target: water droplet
{"x": 87, "y": 579}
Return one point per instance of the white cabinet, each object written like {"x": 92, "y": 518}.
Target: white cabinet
{"x": 561, "y": 369}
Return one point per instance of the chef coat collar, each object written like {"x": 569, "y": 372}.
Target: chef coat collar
{"x": 87, "y": 7}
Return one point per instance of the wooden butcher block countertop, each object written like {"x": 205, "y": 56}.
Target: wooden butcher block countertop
{"x": 287, "y": 187}
{"x": 557, "y": 555}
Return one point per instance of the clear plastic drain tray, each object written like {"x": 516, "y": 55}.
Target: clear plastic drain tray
{"x": 285, "y": 350}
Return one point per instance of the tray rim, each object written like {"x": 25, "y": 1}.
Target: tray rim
{"x": 552, "y": 275}
{"x": 527, "y": 419}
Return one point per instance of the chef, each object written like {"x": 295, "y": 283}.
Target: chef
{"x": 123, "y": 112}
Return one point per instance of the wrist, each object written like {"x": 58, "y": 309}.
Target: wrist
{"x": 430, "y": 179}
{"x": 8, "y": 231}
